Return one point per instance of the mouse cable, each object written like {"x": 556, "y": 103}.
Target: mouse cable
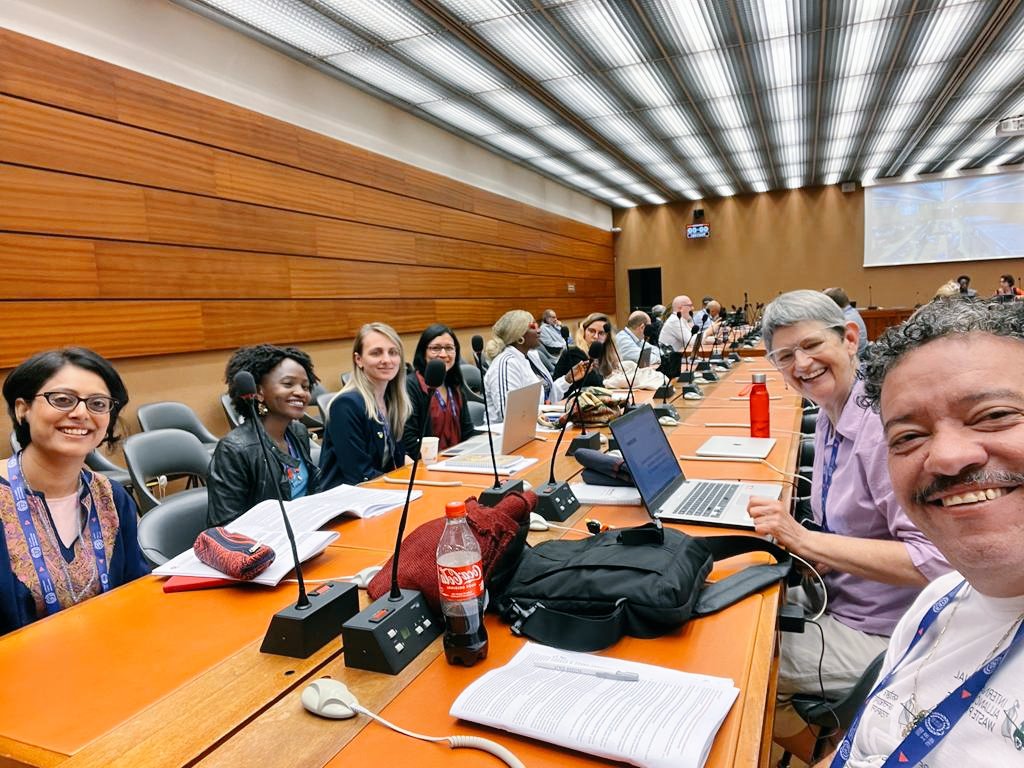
{"x": 454, "y": 742}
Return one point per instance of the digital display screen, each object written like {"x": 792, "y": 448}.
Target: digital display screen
{"x": 405, "y": 633}
{"x": 694, "y": 231}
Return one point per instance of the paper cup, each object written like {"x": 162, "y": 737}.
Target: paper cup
{"x": 428, "y": 450}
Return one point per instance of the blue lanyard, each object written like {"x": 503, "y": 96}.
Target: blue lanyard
{"x": 934, "y": 726}
{"x": 35, "y": 550}
{"x": 826, "y": 480}
{"x": 448, "y": 406}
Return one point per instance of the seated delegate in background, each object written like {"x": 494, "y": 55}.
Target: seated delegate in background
{"x": 514, "y": 336}
{"x": 1007, "y": 287}
{"x": 551, "y": 332}
{"x": 838, "y": 295}
{"x": 677, "y": 324}
{"x": 63, "y": 404}
{"x": 629, "y": 340}
{"x": 239, "y": 478}
{"x": 571, "y": 370}
{"x": 874, "y": 560}
{"x": 366, "y": 420}
{"x": 447, "y": 412}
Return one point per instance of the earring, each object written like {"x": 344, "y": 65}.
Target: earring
{"x": 261, "y": 408}
{"x": 521, "y": 340}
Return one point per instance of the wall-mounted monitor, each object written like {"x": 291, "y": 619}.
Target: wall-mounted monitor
{"x": 697, "y": 231}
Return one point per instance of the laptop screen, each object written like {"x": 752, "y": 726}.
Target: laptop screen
{"x": 647, "y": 452}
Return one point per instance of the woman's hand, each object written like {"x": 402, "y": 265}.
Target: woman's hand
{"x": 577, "y": 372}
{"x": 772, "y": 518}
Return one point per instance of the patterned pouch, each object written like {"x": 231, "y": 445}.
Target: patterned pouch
{"x": 233, "y": 554}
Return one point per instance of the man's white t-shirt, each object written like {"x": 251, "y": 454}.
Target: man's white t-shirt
{"x": 991, "y": 733}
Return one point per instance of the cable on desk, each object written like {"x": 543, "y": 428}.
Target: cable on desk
{"x": 454, "y": 742}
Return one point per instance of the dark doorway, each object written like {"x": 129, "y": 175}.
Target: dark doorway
{"x": 644, "y": 288}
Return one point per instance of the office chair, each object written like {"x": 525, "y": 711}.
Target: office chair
{"x": 97, "y": 462}
{"x": 171, "y": 415}
{"x": 345, "y": 377}
{"x": 168, "y": 454}
{"x": 472, "y": 383}
{"x": 476, "y": 412}
{"x": 172, "y": 527}
{"x": 234, "y": 417}
{"x": 833, "y": 715}
{"x": 323, "y": 402}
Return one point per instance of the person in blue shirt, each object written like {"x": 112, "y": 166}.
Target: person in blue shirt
{"x": 239, "y": 478}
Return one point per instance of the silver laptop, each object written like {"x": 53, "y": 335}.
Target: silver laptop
{"x": 664, "y": 489}
{"x": 519, "y": 428}
{"x": 737, "y": 447}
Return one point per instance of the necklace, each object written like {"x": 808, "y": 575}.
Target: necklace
{"x": 917, "y": 715}
{"x": 51, "y": 535}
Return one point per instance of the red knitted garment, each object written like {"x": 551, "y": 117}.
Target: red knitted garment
{"x": 494, "y": 527}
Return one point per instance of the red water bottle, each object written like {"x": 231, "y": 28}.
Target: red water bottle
{"x": 759, "y": 418}
{"x": 460, "y": 582}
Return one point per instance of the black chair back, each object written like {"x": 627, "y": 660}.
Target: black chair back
{"x": 172, "y": 527}
{"x": 172, "y": 415}
{"x": 169, "y": 453}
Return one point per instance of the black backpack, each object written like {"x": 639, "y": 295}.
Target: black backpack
{"x": 584, "y": 594}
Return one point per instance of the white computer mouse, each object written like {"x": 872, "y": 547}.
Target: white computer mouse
{"x": 329, "y": 698}
{"x": 538, "y": 523}
{"x": 365, "y": 576}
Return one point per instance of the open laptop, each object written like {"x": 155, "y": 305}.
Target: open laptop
{"x": 519, "y": 428}
{"x": 666, "y": 492}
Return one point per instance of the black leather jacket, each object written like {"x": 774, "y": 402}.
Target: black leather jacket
{"x": 238, "y": 474}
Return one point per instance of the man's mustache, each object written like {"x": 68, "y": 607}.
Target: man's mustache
{"x": 970, "y": 481}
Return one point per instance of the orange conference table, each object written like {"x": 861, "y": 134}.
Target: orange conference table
{"x": 137, "y": 677}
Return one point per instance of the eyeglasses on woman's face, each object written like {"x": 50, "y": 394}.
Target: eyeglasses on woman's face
{"x": 436, "y": 350}
{"x": 67, "y": 402}
{"x": 810, "y": 345}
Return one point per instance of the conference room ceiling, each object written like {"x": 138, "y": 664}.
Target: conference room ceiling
{"x": 636, "y": 102}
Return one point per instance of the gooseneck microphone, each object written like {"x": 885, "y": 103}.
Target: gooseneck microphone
{"x": 301, "y": 629}
{"x": 369, "y": 638}
{"x": 493, "y": 495}
{"x": 585, "y": 439}
{"x": 434, "y": 378}
{"x": 630, "y": 399}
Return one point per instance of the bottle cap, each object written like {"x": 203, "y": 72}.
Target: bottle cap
{"x": 760, "y": 378}
{"x": 455, "y": 509}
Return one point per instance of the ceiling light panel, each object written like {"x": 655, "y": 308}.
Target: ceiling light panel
{"x": 851, "y": 94}
{"x": 918, "y": 83}
{"x": 712, "y": 75}
{"x": 464, "y": 117}
{"x": 733, "y": 112}
{"x": 620, "y": 177}
{"x": 646, "y": 152}
{"x": 475, "y": 11}
{"x": 865, "y": 10}
{"x": 294, "y": 23}
{"x": 620, "y": 129}
{"x": 744, "y": 162}
{"x": 969, "y": 108}
{"x": 384, "y": 72}
{"x": 897, "y": 117}
{"x": 583, "y": 181}
{"x": 385, "y": 20}
{"x": 646, "y": 85}
{"x": 605, "y": 31}
{"x": 859, "y": 49}
{"x": 552, "y": 165}
{"x": 655, "y": 200}
{"x": 639, "y": 189}
{"x": 451, "y": 61}
{"x": 669, "y": 122}
{"x": 621, "y": 202}
{"x": 593, "y": 159}
{"x": 565, "y": 139}
{"x": 583, "y": 95}
{"x": 531, "y": 45}
{"x": 784, "y": 61}
{"x": 739, "y": 140}
{"x": 690, "y": 27}
{"x": 515, "y": 144}
{"x": 788, "y": 103}
{"x": 1002, "y": 70}
{"x": 944, "y": 36}
{"x": 518, "y": 107}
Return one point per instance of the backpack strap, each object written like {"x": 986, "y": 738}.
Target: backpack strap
{"x": 566, "y": 630}
{"x": 721, "y": 594}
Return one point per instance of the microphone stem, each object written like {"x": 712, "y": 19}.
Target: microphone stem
{"x": 487, "y": 417}
{"x": 561, "y": 434}
{"x": 303, "y": 601}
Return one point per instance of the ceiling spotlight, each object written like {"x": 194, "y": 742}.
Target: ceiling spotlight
{"x": 1010, "y": 126}
{"x": 616, "y": 230}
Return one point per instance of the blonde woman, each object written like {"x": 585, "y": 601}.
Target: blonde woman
{"x": 363, "y": 437}
{"x": 571, "y": 368}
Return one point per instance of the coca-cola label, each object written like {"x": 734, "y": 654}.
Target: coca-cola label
{"x": 460, "y": 582}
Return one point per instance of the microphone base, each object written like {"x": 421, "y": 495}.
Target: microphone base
{"x": 735, "y": 357}
{"x": 666, "y": 409}
{"x": 299, "y": 633}
{"x": 693, "y": 389}
{"x": 703, "y": 365}
{"x": 556, "y": 501}
{"x": 493, "y": 496}
{"x": 709, "y": 375}
{"x": 388, "y": 634}
{"x": 590, "y": 440}
{"x": 663, "y": 393}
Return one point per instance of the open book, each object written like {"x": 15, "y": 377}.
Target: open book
{"x": 621, "y": 710}
{"x": 263, "y": 522}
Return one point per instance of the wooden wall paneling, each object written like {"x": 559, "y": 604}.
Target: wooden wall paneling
{"x": 55, "y": 75}
{"x": 113, "y": 328}
{"x": 55, "y": 203}
{"x": 145, "y": 271}
{"x": 36, "y": 267}
{"x": 55, "y": 139}
{"x": 337, "y": 239}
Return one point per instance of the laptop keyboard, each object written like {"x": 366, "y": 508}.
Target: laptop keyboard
{"x": 705, "y": 499}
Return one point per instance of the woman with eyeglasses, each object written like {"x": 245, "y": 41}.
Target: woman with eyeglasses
{"x": 366, "y": 420}
{"x": 447, "y": 412}
{"x": 573, "y": 366}
{"x": 873, "y": 560}
{"x": 239, "y": 477}
{"x": 68, "y": 533}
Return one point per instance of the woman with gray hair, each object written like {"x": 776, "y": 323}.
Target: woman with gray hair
{"x": 873, "y": 560}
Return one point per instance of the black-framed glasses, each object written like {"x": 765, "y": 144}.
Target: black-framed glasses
{"x": 441, "y": 349}
{"x": 811, "y": 345}
{"x": 67, "y": 402}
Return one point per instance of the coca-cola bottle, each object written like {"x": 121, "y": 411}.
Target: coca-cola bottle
{"x": 461, "y": 584}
